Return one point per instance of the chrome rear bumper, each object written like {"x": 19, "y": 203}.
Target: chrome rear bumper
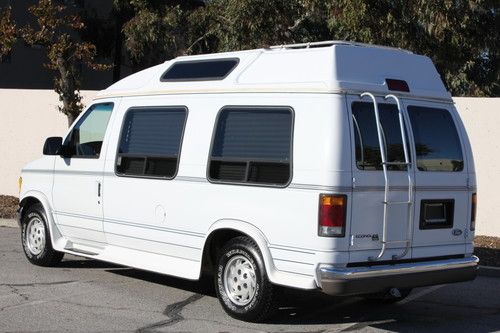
{"x": 369, "y": 279}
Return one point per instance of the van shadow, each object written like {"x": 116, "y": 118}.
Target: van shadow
{"x": 299, "y": 308}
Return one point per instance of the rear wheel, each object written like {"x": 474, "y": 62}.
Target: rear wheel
{"x": 35, "y": 238}
{"x": 241, "y": 282}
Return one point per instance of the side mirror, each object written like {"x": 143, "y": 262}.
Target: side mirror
{"x": 52, "y": 145}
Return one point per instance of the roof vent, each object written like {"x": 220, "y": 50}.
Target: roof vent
{"x": 200, "y": 70}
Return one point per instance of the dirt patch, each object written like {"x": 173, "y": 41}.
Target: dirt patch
{"x": 488, "y": 250}
{"x": 8, "y": 206}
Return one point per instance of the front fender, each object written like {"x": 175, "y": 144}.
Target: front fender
{"x": 56, "y": 237}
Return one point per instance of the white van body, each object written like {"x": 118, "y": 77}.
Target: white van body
{"x": 170, "y": 225}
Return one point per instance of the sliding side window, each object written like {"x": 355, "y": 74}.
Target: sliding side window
{"x": 252, "y": 145}
{"x": 150, "y": 142}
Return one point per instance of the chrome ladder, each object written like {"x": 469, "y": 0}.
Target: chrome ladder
{"x": 407, "y": 163}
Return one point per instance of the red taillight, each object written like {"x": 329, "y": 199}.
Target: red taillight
{"x": 332, "y": 215}
{"x": 473, "y": 212}
{"x": 397, "y": 85}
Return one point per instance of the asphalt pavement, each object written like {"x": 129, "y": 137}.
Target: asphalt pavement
{"x": 84, "y": 295}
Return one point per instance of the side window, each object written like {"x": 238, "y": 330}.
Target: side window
{"x": 85, "y": 139}
{"x": 436, "y": 139}
{"x": 252, "y": 145}
{"x": 150, "y": 142}
{"x": 366, "y": 138}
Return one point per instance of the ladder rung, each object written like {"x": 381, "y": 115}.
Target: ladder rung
{"x": 397, "y": 202}
{"x": 396, "y": 163}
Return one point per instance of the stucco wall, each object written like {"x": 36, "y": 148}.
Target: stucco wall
{"x": 27, "y": 117}
{"x": 481, "y": 117}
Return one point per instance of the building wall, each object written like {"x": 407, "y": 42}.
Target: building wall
{"x": 27, "y": 117}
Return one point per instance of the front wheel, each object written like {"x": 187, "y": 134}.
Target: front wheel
{"x": 35, "y": 236}
{"x": 242, "y": 285}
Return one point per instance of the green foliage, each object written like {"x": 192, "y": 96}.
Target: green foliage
{"x": 460, "y": 36}
{"x": 55, "y": 33}
{"x": 8, "y": 32}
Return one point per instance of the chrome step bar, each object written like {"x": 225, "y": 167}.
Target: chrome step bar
{"x": 386, "y": 202}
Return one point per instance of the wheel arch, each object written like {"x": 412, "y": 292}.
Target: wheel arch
{"x": 223, "y": 230}
{"x": 33, "y": 197}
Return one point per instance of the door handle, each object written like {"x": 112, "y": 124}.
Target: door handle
{"x": 98, "y": 189}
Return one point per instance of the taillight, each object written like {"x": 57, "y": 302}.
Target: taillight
{"x": 473, "y": 212}
{"x": 332, "y": 215}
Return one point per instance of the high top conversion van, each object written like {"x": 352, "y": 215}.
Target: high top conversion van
{"x": 335, "y": 166}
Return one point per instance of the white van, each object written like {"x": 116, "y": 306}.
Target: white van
{"x": 335, "y": 166}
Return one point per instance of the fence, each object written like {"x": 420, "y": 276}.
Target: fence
{"x": 27, "y": 117}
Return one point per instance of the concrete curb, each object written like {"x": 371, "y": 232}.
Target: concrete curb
{"x": 489, "y": 271}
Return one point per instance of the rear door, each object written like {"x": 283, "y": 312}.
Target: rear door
{"x": 442, "y": 197}
{"x": 368, "y": 182}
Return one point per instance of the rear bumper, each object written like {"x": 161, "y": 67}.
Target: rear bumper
{"x": 363, "y": 280}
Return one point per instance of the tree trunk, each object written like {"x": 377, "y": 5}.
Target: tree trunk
{"x": 71, "y": 119}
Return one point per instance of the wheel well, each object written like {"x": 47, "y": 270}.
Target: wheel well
{"x": 26, "y": 203}
{"x": 215, "y": 242}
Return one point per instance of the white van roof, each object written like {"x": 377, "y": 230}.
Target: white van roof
{"x": 323, "y": 67}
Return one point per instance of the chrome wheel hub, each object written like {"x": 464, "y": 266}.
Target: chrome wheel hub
{"x": 240, "y": 280}
{"x": 35, "y": 236}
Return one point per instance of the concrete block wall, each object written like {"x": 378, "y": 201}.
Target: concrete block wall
{"x": 27, "y": 117}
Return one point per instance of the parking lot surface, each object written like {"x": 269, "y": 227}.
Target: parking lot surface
{"x": 84, "y": 295}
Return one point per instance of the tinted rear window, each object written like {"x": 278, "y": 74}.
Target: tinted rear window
{"x": 252, "y": 146}
{"x": 150, "y": 142}
{"x": 436, "y": 139}
{"x": 203, "y": 70}
{"x": 366, "y": 139}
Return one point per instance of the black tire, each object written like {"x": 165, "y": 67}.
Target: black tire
{"x": 45, "y": 254}
{"x": 387, "y": 298}
{"x": 263, "y": 303}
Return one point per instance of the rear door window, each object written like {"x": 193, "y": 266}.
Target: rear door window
{"x": 436, "y": 139}
{"x": 366, "y": 138}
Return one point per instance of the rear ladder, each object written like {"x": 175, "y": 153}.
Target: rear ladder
{"x": 407, "y": 163}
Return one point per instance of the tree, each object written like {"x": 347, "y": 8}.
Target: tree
{"x": 56, "y": 32}
{"x": 8, "y": 32}
{"x": 460, "y": 36}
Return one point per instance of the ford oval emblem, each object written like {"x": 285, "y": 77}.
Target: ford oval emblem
{"x": 456, "y": 232}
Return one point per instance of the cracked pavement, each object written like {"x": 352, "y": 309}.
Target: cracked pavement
{"x": 84, "y": 295}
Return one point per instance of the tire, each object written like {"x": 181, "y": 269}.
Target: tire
{"x": 251, "y": 297}
{"x": 387, "y": 297}
{"x": 35, "y": 237}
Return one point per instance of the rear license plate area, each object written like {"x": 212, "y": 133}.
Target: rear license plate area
{"x": 436, "y": 214}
